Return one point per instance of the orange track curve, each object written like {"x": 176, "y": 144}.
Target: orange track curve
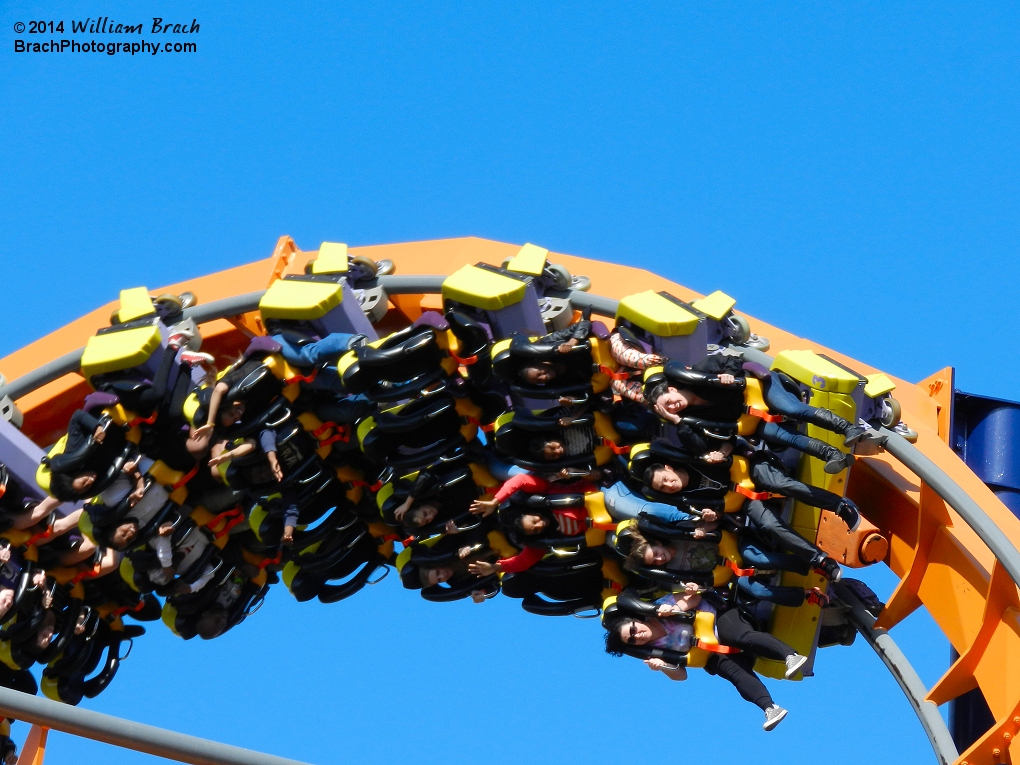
{"x": 941, "y": 562}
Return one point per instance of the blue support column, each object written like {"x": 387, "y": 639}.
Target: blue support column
{"x": 985, "y": 432}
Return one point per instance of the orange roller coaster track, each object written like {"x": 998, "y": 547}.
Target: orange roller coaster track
{"x": 952, "y": 543}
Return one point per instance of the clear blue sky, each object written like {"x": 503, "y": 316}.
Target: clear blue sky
{"x": 847, "y": 173}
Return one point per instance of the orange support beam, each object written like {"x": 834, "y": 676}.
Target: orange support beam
{"x": 33, "y": 752}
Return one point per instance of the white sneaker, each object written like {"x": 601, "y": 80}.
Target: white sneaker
{"x": 793, "y": 664}
{"x": 195, "y": 358}
{"x": 773, "y": 716}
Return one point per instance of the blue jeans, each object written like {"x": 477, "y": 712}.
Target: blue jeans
{"x": 633, "y": 422}
{"x": 623, "y": 504}
{"x": 777, "y": 435}
{"x": 753, "y": 555}
{"x": 772, "y": 593}
{"x": 782, "y": 401}
{"x": 759, "y": 589}
{"x": 326, "y": 351}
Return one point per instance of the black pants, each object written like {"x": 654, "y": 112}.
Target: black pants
{"x": 80, "y": 429}
{"x": 780, "y": 532}
{"x": 735, "y": 630}
{"x": 767, "y": 477}
{"x": 739, "y": 670}
{"x": 152, "y": 397}
{"x": 581, "y": 584}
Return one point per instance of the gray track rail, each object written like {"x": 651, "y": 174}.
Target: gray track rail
{"x": 906, "y": 676}
{"x": 70, "y": 363}
{"x": 193, "y": 750}
{"x": 128, "y": 734}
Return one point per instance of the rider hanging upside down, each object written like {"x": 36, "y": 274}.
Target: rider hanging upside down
{"x": 666, "y": 630}
{"x": 568, "y": 521}
{"x": 713, "y": 390}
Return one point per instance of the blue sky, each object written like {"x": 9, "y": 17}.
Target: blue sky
{"x": 847, "y": 173}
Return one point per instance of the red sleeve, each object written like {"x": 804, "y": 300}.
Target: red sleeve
{"x": 523, "y": 560}
{"x": 524, "y": 481}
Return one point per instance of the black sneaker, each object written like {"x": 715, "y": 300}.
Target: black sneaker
{"x": 829, "y": 568}
{"x": 849, "y": 513}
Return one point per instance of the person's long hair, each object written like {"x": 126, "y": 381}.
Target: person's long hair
{"x": 639, "y": 545}
{"x": 615, "y": 646}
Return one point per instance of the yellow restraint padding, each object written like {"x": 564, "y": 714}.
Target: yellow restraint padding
{"x": 499, "y": 543}
{"x": 716, "y": 305}
{"x": 255, "y": 518}
{"x": 654, "y": 313}
{"x": 378, "y": 529}
{"x": 595, "y": 504}
{"x": 42, "y": 473}
{"x": 622, "y": 526}
{"x": 637, "y": 449}
{"x": 18, "y": 537}
{"x": 483, "y": 289}
{"x": 482, "y": 477}
{"x": 704, "y": 627}
{"x": 740, "y": 474}
{"x": 402, "y": 559}
{"x": 115, "y": 351}
{"x": 127, "y": 572}
{"x": 499, "y": 346}
{"x": 878, "y": 384}
{"x": 164, "y": 474}
{"x": 405, "y": 554}
{"x": 811, "y": 369}
{"x": 607, "y": 601}
{"x": 332, "y": 259}
{"x": 470, "y": 414}
{"x": 345, "y": 362}
{"x": 5, "y": 654}
{"x": 85, "y": 526}
{"x": 728, "y": 548}
{"x": 134, "y": 304}
{"x": 601, "y": 354}
{"x": 297, "y": 299}
{"x": 384, "y": 494}
{"x": 290, "y": 570}
{"x": 504, "y": 419}
{"x": 747, "y": 424}
{"x": 49, "y": 688}
{"x": 529, "y": 260}
{"x": 364, "y": 428}
{"x": 169, "y": 618}
{"x": 612, "y": 572}
{"x": 350, "y": 475}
